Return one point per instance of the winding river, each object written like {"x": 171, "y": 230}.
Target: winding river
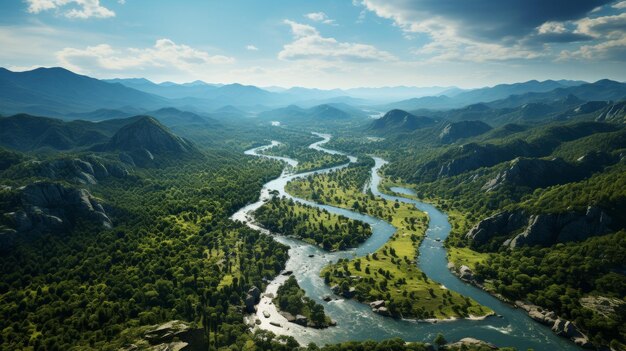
{"x": 356, "y": 321}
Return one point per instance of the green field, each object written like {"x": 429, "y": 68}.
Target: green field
{"x": 390, "y": 273}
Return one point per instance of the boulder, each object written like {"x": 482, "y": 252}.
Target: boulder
{"x": 466, "y": 273}
{"x": 250, "y": 303}
{"x": 565, "y": 328}
{"x": 302, "y": 320}
{"x": 377, "y": 304}
{"x": 255, "y": 293}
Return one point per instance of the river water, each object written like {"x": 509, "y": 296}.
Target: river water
{"x": 356, "y": 321}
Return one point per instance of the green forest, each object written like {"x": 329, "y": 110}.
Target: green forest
{"x": 313, "y": 225}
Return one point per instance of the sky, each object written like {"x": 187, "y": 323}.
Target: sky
{"x": 323, "y": 44}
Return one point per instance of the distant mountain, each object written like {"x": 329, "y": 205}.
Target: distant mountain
{"x": 502, "y": 91}
{"x": 400, "y": 121}
{"x": 147, "y": 134}
{"x": 382, "y": 94}
{"x": 168, "y": 89}
{"x": 326, "y": 112}
{"x": 24, "y": 132}
{"x": 173, "y": 117}
{"x": 101, "y": 114}
{"x": 441, "y": 102}
{"x": 57, "y": 90}
{"x": 455, "y": 99}
{"x": 602, "y": 90}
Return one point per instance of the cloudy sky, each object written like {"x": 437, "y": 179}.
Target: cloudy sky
{"x": 323, "y": 43}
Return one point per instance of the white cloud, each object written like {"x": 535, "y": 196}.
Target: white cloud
{"x": 620, "y": 5}
{"x": 165, "y": 54}
{"x": 610, "y": 35}
{"x": 319, "y": 17}
{"x": 81, "y": 9}
{"x": 552, "y": 28}
{"x": 611, "y": 26}
{"x": 310, "y": 45}
{"x": 251, "y": 47}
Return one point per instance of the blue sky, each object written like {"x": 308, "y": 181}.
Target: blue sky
{"x": 325, "y": 44}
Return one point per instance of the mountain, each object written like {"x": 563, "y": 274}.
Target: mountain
{"x": 325, "y": 112}
{"x": 59, "y": 91}
{"x": 427, "y": 102}
{"x": 147, "y": 134}
{"x": 100, "y": 114}
{"x": 24, "y": 132}
{"x": 532, "y": 89}
{"x": 172, "y": 117}
{"x": 502, "y": 91}
{"x": 397, "y": 93}
{"x": 400, "y": 121}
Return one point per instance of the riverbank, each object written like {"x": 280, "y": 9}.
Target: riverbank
{"x": 355, "y": 320}
{"x": 462, "y": 263}
{"x": 388, "y": 276}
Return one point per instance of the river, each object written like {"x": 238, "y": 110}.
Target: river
{"x": 356, "y": 321}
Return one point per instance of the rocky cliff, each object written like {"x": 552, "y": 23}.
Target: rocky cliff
{"x": 51, "y": 207}
{"x": 464, "y": 129}
{"x": 83, "y": 171}
{"x": 540, "y": 229}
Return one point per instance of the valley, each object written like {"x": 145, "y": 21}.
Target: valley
{"x": 498, "y": 220}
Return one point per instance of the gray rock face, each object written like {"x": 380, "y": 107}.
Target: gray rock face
{"x": 534, "y": 173}
{"x": 464, "y": 129}
{"x": 502, "y": 223}
{"x": 547, "y": 229}
{"x": 466, "y": 273}
{"x": 541, "y": 229}
{"x": 173, "y": 335}
{"x": 565, "y": 328}
{"x": 52, "y": 207}
{"x": 87, "y": 171}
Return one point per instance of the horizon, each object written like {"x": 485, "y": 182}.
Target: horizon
{"x": 323, "y": 89}
{"x": 323, "y": 45}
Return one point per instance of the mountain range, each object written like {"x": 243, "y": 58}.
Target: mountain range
{"x": 57, "y": 92}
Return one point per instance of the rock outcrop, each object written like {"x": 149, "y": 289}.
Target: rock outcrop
{"x": 464, "y": 129}
{"x": 503, "y": 223}
{"x": 534, "y": 173}
{"x": 548, "y": 229}
{"x": 558, "y": 325}
{"x": 171, "y": 336}
{"x": 540, "y": 229}
{"x": 83, "y": 171}
{"x": 252, "y": 299}
{"x": 52, "y": 207}
{"x": 471, "y": 343}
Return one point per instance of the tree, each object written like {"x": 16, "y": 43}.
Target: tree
{"x": 440, "y": 340}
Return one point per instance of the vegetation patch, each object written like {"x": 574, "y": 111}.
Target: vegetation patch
{"x": 298, "y": 308}
{"x": 311, "y": 224}
{"x": 388, "y": 279}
